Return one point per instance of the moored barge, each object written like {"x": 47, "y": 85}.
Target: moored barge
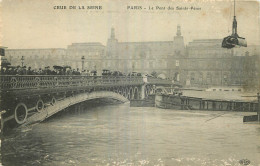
{"x": 180, "y": 102}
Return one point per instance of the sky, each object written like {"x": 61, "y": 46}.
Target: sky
{"x": 36, "y": 24}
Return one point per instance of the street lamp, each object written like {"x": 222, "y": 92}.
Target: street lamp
{"x": 82, "y": 60}
{"x": 22, "y": 60}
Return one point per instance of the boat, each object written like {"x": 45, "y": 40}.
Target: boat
{"x": 181, "y": 102}
{"x": 147, "y": 102}
{"x": 167, "y": 101}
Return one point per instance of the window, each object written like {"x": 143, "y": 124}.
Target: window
{"x": 192, "y": 76}
{"x": 209, "y": 78}
{"x": 177, "y": 63}
{"x": 151, "y": 64}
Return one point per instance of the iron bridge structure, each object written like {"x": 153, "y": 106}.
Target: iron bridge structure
{"x": 27, "y": 99}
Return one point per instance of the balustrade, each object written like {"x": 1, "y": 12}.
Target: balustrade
{"x": 11, "y": 82}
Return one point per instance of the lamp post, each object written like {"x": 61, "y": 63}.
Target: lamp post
{"x": 258, "y": 111}
{"x": 22, "y": 60}
{"x": 82, "y": 60}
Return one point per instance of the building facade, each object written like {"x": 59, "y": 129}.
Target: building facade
{"x": 207, "y": 63}
{"x": 36, "y": 58}
{"x": 145, "y": 57}
{"x": 85, "y": 56}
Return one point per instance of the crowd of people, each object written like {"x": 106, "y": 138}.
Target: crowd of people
{"x": 55, "y": 70}
{"x": 59, "y": 70}
{"x": 19, "y": 70}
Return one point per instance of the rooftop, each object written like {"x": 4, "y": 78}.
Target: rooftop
{"x": 87, "y": 44}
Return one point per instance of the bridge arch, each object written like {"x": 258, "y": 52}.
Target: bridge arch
{"x": 136, "y": 93}
{"x": 131, "y": 93}
{"x": 66, "y": 102}
{"x": 121, "y": 91}
{"x": 125, "y": 92}
{"x": 147, "y": 90}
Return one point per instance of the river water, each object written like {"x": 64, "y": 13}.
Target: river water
{"x": 123, "y": 135}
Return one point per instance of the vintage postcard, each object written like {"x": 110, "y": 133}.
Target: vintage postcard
{"x": 137, "y": 82}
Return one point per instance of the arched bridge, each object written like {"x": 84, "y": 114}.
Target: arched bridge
{"x": 26, "y": 99}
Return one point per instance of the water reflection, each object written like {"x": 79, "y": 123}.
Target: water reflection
{"x": 120, "y": 135}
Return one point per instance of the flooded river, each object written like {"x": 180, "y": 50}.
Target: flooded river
{"x": 123, "y": 135}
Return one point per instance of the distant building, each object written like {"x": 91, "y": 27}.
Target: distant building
{"x": 36, "y": 58}
{"x": 93, "y": 53}
{"x": 144, "y": 57}
{"x": 245, "y": 71}
{"x": 208, "y": 63}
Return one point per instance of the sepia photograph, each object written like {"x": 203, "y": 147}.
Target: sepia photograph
{"x": 130, "y": 83}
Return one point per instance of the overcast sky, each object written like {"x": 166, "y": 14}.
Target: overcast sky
{"x": 35, "y": 24}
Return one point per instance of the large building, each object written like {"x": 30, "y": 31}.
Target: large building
{"x": 144, "y": 57}
{"x": 85, "y": 56}
{"x": 208, "y": 63}
{"x": 202, "y": 63}
{"x": 245, "y": 71}
{"x": 35, "y": 58}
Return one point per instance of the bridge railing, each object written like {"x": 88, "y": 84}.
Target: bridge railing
{"x": 9, "y": 82}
